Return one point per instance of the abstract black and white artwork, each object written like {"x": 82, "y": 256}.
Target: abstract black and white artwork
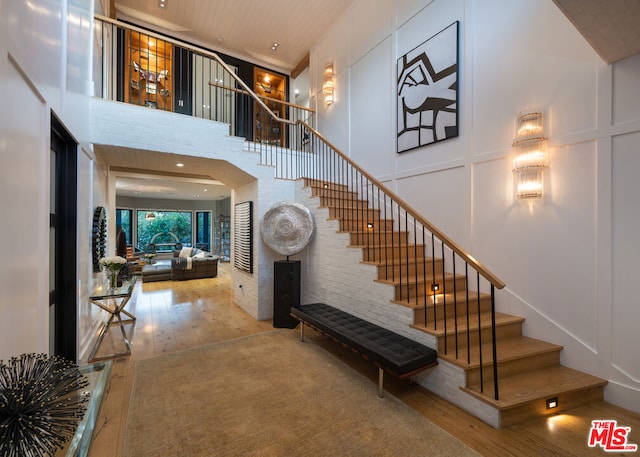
{"x": 243, "y": 236}
{"x": 428, "y": 91}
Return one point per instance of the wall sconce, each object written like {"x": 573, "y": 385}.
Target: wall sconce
{"x": 328, "y": 84}
{"x": 530, "y": 155}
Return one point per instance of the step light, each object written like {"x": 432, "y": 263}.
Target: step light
{"x": 370, "y": 225}
{"x": 552, "y": 403}
{"x": 435, "y": 287}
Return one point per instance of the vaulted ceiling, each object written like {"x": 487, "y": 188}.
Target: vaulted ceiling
{"x": 246, "y": 29}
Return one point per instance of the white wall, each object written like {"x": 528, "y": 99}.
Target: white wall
{"x": 42, "y": 70}
{"x": 254, "y": 292}
{"x": 568, "y": 258}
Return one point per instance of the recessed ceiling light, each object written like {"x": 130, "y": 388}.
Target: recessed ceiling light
{"x": 179, "y": 164}
{"x": 206, "y": 190}
{"x": 274, "y": 46}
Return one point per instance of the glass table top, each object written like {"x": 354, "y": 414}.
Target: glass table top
{"x": 103, "y": 290}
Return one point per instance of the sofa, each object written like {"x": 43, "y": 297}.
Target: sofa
{"x": 193, "y": 263}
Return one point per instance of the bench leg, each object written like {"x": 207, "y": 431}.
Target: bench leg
{"x": 301, "y": 331}
{"x": 380, "y": 382}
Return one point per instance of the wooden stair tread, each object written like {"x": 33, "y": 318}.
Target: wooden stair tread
{"x": 417, "y": 303}
{"x": 535, "y": 385}
{"x": 485, "y": 317}
{"x": 507, "y": 349}
{"x": 419, "y": 279}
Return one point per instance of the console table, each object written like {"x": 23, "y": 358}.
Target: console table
{"x": 113, "y": 301}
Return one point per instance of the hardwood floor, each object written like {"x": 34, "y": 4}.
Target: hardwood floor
{"x": 176, "y": 315}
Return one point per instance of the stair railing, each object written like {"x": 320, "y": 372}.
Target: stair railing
{"x": 178, "y": 77}
{"x": 428, "y": 269}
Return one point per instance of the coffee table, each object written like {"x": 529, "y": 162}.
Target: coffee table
{"x": 158, "y": 271}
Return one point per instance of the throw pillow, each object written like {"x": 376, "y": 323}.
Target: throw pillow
{"x": 185, "y": 252}
{"x": 199, "y": 255}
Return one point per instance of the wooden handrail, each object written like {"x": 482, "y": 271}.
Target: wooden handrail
{"x": 244, "y": 92}
{"x": 494, "y": 280}
{"x": 488, "y": 275}
{"x": 201, "y": 51}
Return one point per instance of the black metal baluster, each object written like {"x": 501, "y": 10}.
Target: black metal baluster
{"x": 479, "y": 333}
{"x": 495, "y": 351}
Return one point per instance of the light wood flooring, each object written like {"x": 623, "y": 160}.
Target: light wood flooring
{"x": 176, "y": 315}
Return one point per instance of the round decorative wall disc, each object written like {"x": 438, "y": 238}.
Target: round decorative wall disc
{"x": 287, "y": 228}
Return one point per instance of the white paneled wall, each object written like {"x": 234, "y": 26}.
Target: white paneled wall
{"x": 568, "y": 258}
{"x": 40, "y": 73}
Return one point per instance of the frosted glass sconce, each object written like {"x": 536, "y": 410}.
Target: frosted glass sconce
{"x": 328, "y": 84}
{"x": 530, "y": 155}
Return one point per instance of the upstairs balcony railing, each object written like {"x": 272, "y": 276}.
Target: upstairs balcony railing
{"x": 428, "y": 269}
{"x": 140, "y": 67}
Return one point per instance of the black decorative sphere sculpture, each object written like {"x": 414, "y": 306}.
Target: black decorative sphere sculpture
{"x": 40, "y": 404}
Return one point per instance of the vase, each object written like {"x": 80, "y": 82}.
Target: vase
{"x": 113, "y": 279}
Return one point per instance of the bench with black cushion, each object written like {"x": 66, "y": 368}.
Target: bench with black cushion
{"x": 390, "y": 352}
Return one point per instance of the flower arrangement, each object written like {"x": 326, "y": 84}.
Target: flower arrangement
{"x": 113, "y": 264}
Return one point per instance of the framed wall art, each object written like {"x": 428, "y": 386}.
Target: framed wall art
{"x": 428, "y": 91}
{"x": 243, "y": 236}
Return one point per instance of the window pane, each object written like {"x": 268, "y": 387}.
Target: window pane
{"x": 203, "y": 230}
{"x": 123, "y": 217}
{"x": 164, "y": 228}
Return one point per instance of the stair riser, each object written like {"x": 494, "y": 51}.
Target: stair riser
{"x": 460, "y": 308}
{"x": 378, "y": 238}
{"x": 334, "y": 202}
{"x": 538, "y": 408}
{"x": 366, "y": 215}
{"x": 352, "y": 225}
{"x": 337, "y": 194}
{"x": 419, "y": 268}
{"x": 326, "y": 185}
{"x": 372, "y": 254}
{"x": 502, "y": 331}
{"x": 414, "y": 290}
{"x": 513, "y": 367}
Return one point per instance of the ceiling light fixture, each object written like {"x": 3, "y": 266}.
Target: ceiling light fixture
{"x": 274, "y": 46}
{"x": 150, "y": 215}
{"x": 163, "y": 3}
{"x": 180, "y": 164}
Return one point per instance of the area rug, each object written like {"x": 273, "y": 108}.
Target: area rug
{"x": 270, "y": 394}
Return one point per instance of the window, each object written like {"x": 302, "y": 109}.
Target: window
{"x": 203, "y": 230}
{"x": 163, "y": 228}
{"x": 123, "y": 218}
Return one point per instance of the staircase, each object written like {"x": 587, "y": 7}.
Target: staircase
{"x": 529, "y": 371}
